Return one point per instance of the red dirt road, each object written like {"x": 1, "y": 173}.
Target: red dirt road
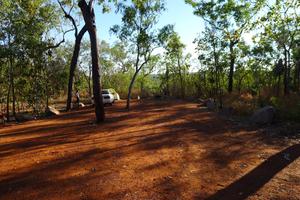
{"x": 173, "y": 150}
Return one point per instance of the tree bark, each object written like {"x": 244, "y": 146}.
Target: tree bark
{"x": 73, "y": 65}
{"x": 137, "y": 69}
{"x": 89, "y": 80}
{"x": 130, "y": 89}
{"x": 89, "y": 18}
{"x": 99, "y": 108}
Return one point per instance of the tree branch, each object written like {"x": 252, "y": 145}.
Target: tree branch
{"x": 59, "y": 43}
{"x": 68, "y": 16}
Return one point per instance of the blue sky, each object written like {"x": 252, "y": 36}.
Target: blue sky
{"x": 177, "y": 12}
{"x": 187, "y": 25}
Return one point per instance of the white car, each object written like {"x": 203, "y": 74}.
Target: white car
{"x": 116, "y": 95}
{"x": 107, "y": 97}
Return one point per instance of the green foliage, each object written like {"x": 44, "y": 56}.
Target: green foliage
{"x": 288, "y": 108}
{"x": 25, "y": 50}
{"x": 137, "y": 29}
{"x": 262, "y": 69}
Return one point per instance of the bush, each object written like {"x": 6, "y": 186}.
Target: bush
{"x": 288, "y": 107}
{"x": 242, "y": 104}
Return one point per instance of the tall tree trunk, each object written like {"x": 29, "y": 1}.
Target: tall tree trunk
{"x": 89, "y": 18}
{"x": 217, "y": 77}
{"x": 130, "y": 89}
{"x": 288, "y": 70}
{"x": 297, "y": 76}
{"x": 89, "y": 79}
{"x": 12, "y": 86}
{"x": 286, "y": 78}
{"x": 182, "y": 89}
{"x": 167, "y": 92}
{"x": 47, "y": 96}
{"x": 278, "y": 85}
{"x": 99, "y": 108}
{"x": 231, "y": 70}
{"x": 182, "y": 92}
{"x": 73, "y": 65}
{"x": 7, "y": 101}
{"x": 11, "y": 80}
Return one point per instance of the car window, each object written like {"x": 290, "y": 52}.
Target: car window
{"x": 105, "y": 92}
{"x": 112, "y": 91}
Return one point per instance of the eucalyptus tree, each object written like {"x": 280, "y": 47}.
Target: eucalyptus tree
{"x": 176, "y": 61}
{"x": 117, "y": 66}
{"x": 296, "y": 57}
{"x": 281, "y": 25}
{"x": 138, "y": 31}
{"x": 146, "y": 73}
{"x": 88, "y": 14}
{"x": 120, "y": 56}
{"x": 78, "y": 37}
{"x": 232, "y": 18}
{"x": 164, "y": 37}
{"x": 210, "y": 47}
{"x": 24, "y": 39}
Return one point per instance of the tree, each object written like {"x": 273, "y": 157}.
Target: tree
{"x": 78, "y": 37}
{"x": 175, "y": 52}
{"x": 296, "y": 57}
{"x": 210, "y": 47}
{"x": 281, "y": 25}
{"x": 232, "y": 18}
{"x": 88, "y": 14}
{"x": 24, "y": 40}
{"x": 137, "y": 29}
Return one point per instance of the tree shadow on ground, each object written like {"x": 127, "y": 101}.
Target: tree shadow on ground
{"x": 38, "y": 176}
{"x": 259, "y": 176}
{"x": 145, "y": 132}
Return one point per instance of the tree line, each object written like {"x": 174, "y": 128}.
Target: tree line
{"x": 39, "y": 65}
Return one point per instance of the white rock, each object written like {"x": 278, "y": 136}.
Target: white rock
{"x": 52, "y": 111}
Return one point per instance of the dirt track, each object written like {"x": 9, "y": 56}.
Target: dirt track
{"x": 172, "y": 150}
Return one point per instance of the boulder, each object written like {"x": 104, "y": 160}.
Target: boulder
{"x": 81, "y": 105}
{"x": 23, "y": 117}
{"x": 210, "y": 104}
{"x": 202, "y": 100}
{"x": 264, "y": 115}
{"x": 52, "y": 111}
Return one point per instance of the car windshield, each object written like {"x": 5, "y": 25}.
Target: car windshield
{"x": 105, "y": 92}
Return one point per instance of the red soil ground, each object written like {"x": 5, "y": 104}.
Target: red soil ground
{"x": 158, "y": 150}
